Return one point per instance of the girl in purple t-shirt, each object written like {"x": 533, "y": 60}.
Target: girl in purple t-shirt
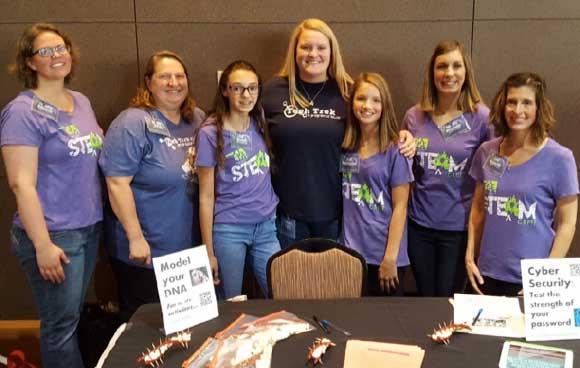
{"x": 525, "y": 201}
{"x": 237, "y": 202}
{"x": 375, "y": 185}
{"x": 449, "y": 123}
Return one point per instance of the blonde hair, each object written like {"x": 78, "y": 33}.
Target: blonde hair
{"x": 469, "y": 96}
{"x": 388, "y": 126}
{"x": 335, "y": 68}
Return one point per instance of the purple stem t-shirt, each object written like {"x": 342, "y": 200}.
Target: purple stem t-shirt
{"x": 520, "y": 206}
{"x": 154, "y": 151}
{"x": 243, "y": 187}
{"x": 368, "y": 207}
{"x": 442, "y": 193}
{"x": 67, "y": 181}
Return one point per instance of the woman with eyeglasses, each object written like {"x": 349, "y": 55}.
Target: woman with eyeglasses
{"x": 51, "y": 142}
{"x": 149, "y": 179}
{"x": 526, "y": 197}
{"x": 306, "y": 108}
{"x": 237, "y": 202}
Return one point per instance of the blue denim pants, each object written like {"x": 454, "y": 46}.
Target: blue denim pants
{"x": 231, "y": 243}
{"x": 59, "y": 305}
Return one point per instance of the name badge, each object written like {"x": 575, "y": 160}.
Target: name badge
{"x": 456, "y": 126}
{"x": 349, "y": 163}
{"x": 156, "y": 126}
{"x": 44, "y": 109}
{"x": 242, "y": 140}
{"x": 496, "y": 164}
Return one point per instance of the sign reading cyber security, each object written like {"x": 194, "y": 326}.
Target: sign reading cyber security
{"x": 186, "y": 290}
{"x": 552, "y": 298}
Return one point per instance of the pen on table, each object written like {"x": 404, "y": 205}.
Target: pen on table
{"x": 476, "y": 318}
{"x": 320, "y": 324}
{"x": 326, "y": 322}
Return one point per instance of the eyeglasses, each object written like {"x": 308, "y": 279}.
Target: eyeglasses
{"x": 239, "y": 90}
{"x": 49, "y": 51}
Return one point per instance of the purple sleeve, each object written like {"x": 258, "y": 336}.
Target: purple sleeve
{"x": 565, "y": 181}
{"x": 206, "y": 147}
{"x": 476, "y": 169}
{"x": 401, "y": 169}
{"x": 407, "y": 121}
{"x": 18, "y": 126}
{"x": 125, "y": 145}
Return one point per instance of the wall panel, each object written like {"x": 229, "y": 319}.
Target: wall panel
{"x": 504, "y": 47}
{"x": 280, "y": 11}
{"x": 527, "y": 9}
{"x": 66, "y": 11}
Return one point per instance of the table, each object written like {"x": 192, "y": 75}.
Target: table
{"x": 395, "y": 320}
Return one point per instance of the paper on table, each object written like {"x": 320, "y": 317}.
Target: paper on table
{"x": 500, "y": 316}
{"x": 364, "y": 354}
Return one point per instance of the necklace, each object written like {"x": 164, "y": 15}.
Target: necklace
{"x": 311, "y": 99}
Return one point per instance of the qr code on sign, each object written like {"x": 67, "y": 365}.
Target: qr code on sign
{"x": 575, "y": 269}
{"x": 205, "y": 298}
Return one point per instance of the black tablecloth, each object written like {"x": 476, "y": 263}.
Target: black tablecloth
{"x": 394, "y": 320}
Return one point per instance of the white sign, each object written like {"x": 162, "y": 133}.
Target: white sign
{"x": 186, "y": 291}
{"x": 552, "y": 298}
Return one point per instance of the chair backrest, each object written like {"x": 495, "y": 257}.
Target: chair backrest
{"x": 316, "y": 268}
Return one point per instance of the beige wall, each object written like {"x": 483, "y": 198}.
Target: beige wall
{"x": 392, "y": 37}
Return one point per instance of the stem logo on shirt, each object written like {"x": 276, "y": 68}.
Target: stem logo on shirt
{"x": 422, "y": 143}
{"x": 71, "y": 130}
{"x": 509, "y": 207}
{"x": 441, "y": 162}
{"x": 82, "y": 145}
{"x": 291, "y": 111}
{"x": 362, "y": 195}
{"x": 245, "y": 167}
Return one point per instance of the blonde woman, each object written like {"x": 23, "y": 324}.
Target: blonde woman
{"x": 306, "y": 108}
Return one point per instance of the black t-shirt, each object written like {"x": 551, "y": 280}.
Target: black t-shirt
{"x": 307, "y": 148}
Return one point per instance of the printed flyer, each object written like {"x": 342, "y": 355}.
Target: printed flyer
{"x": 186, "y": 290}
{"x": 552, "y": 298}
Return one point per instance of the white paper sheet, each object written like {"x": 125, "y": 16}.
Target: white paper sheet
{"x": 496, "y": 315}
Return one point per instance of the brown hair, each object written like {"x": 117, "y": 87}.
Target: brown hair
{"x": 469, "y": 96}
{"x": 25, "y": 49}
{"x": 221, "y": 108}
{"x": 388, "y": 126}
{"x": 144, "y": 99}
{"x": 335, "y": 70}
{"x": 545, "y": 119}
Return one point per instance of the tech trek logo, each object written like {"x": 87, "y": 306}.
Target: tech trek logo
{"x": 509, "y": 207}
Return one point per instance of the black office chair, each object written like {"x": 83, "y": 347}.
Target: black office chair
{"x": 316, "y": 268}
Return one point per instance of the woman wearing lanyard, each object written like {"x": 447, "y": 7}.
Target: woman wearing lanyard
{"x": 306, "y": 106}
{"x": 449, "y": 123}
{"x": 145, "y": 161}
{"x": 51, "y": 142}
{"x": 526, "y": 198}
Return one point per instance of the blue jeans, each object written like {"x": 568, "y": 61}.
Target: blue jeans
{"x": 291, "y": 230}
{"x": 231, "y": 242}
{"x": 59, "y": 305}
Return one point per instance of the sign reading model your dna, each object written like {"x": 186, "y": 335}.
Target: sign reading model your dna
{"x": 186, "y": 291}
{"x": 552, "y": 298}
